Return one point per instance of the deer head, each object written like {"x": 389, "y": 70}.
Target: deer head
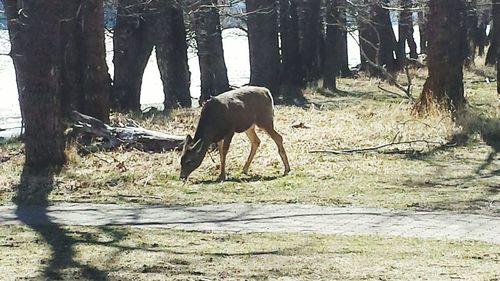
{"x": 192, "y": 156}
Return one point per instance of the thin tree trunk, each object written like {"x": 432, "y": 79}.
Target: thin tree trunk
{"x": 345, "y": 71}
{"x": 208, "y": 33}
{"x": 496, "y": 38}
{"x": 422, "y": 26}
{"x": 406, "y": 31}
{"x": 333, "y": 42}
{"x": 263, "y": 43}
{"x": 39, "y": 87}
{"x": 446, "y": 55}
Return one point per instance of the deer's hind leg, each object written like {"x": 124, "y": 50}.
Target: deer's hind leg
{"x": 255, "y": 142}
{"x": 278, "y": 139}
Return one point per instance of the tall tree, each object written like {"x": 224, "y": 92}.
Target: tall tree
{"x": 333, "y": 41}
{"x": 263, "y": 44}
{"x": 422, "y": 26}
{"x": 172, "y": 58}
{"x": 446, "y": 55}
{"x": 213, "y": 71}
{"x": 471, "y": 24}
{"x": 38, "y": 73}
{"x": 309, "y": 19}
{"x": 292, "y": 77}
{"x": 132, "y": 48}
{"x": 140, "y": 26}
{"x": 378, "y": 41}
{"x": 496, "y": 37}
{"x": 86, "y": 81}
{"x": 406, "y": 30}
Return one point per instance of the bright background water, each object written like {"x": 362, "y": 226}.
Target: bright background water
{"x": 235, "y": 53}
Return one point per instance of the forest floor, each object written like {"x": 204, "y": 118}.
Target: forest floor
{"x": 421, "y": 171}
{"x": 426, "y": 174}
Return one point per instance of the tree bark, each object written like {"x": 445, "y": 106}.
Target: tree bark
{"x": 333, "y": 44}
{"x": 140, "y": 26}
{"x": 208, "y": 34}
{"x": 132, "y": 48}
{"x": 86, "y": 82}
{"x": 309, "y": 19}
{"x": 378, "y": 41}
{"x": 422, "y": 26}
{"x": 471, "y": 24}
{"x": 406, "y": 31}
{"x": 96, "y": 87}
{"x": 263, "y": 43}
{"x": 292, "y": 77}
{"x": 38, "y": 73}
{"x": 496, "y": 38}
{"x": 446, "y": 55}
{"x": 171, "y": 54}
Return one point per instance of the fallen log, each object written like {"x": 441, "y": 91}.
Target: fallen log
{"x": 112, "y": 137}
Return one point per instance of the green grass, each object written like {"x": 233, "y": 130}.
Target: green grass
{"x": 155, "y": 254}
{"x": 424, "y": 177}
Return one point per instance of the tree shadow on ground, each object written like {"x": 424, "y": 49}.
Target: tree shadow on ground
{"x": 463, "y": 171}
{"x": 34, "y": 189}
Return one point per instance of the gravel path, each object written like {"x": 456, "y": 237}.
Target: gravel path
{"x": 266, "y": 218}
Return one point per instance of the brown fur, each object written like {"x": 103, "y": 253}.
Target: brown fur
{"x": 222, "y": 116}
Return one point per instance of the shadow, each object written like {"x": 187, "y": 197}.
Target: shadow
{"x": 255, "y": 178}
{"x": 33, "y": 190}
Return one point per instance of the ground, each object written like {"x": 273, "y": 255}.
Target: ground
{"x": 424, "y": 175}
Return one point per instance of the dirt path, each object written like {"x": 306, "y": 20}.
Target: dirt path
{"x": 267, "y": 218}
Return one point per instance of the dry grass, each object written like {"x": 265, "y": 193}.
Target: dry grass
{"x": 363, "y": 116}
{"x": 153, "y": 254}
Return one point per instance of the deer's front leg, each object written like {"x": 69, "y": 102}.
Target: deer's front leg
{"x": 223, "y": 149}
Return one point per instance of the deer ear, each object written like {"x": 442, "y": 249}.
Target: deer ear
{"x": 187, "y": 142}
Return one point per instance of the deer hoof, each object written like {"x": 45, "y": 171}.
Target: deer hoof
{"x": 286, "y": 172}
{"x": 221, "y": 178}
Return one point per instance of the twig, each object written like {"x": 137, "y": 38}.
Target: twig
{"x": 373, "y": 148}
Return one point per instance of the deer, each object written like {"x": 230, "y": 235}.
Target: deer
{"x": 234, "y": 111}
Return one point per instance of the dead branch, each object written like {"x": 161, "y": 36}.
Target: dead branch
{"x": 113, "y": 137}
{"x": 375, "y": 148}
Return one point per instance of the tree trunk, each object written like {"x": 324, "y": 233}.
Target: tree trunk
{"x": 292, "y": 78}
{"x": 38, "y": 73}
{"x": 333, "y": 44}
{"x": 471, "y": 24}
{"x": 491, "y": 55}
{"x": 308, "y": 12}
{"x": 482, "y": 37}
{"x": 378, "y": 39}
{"x": 345, "y": 71}
{"x": 446, "y": 55}
{"x": 171, "y": 54}
{"x": 422, "y": 26}
{"x": 140, "y": 26}
{"x": 86, "y": 83}
{"x": 132, "y": 48}
{"x": 406, "y": 31}
{"x": 263, "y": 43}
{"x": 496, "y": 38}
{"x": 96, "y": 87}
{"x": 207, "y": 29}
